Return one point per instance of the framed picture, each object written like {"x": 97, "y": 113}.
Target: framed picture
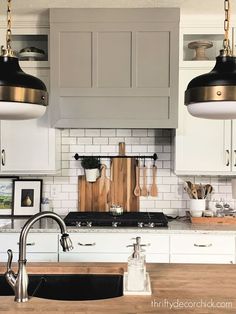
{"x": 27, "y": 195}
{"x": 6, "y": 195}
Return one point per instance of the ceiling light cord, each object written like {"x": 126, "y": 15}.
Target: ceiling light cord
{"x": 226, "y": 51}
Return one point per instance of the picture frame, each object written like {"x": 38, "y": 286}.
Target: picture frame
{"x": 27, "y": 196}
{"x": 6, "y": 195}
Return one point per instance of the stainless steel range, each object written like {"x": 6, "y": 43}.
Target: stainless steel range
{"x": 106, "y": 219}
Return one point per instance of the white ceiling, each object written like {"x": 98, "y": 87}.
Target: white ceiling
{"x": 36, "y": 7}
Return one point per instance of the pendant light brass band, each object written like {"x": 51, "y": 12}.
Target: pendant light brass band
{"x": 26, "y": 95}
{"x": 210, "y": 93}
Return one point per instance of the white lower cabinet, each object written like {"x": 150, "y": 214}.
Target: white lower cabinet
{"x": 41, "y": 247}
{"x": 202, "y": 248}
{"x": 112, "y": 247}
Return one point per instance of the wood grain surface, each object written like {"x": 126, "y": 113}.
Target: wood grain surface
{"x": 171, "y": 283}
{"x": 94, "y": 196}
{"x": 118, "y": 189}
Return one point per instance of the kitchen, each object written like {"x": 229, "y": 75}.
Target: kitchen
{"x": 48, "y": 153}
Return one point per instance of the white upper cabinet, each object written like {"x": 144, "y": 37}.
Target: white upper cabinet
{"x": 30, "y": 146}
{"x": 114, "y": 67}
{"x": 202, "y": 146}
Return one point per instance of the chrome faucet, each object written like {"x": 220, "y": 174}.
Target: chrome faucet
{"x": 19, "y": 281}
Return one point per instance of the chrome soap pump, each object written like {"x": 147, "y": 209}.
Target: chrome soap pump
{"x": 136, "y": 279}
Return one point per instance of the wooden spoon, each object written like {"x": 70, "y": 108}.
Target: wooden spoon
{"x": 154, "y": 189}
{"x": 137, "y": 187}
{"x": 144, "y": 191}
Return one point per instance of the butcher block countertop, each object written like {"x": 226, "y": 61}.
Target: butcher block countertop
{"x": 187, "y": 288}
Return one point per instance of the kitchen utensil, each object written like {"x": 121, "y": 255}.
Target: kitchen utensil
{"x": 144, "y": 191}
{"x": 137, "y": 176}
{"x": 154, "y": 189}
{"x": 208, "y": 190}
{"x": 123, "y": 181}
{"x": 93, "y": 196}
{"x": 188, "y": 190}
{"x": 194, "y": 192}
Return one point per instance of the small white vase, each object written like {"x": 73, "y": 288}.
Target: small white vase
{"x": 91, "y": 174}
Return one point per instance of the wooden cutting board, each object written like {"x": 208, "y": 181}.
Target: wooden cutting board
{"x": 119, "y": 189}
{"x": 94, "y": 196}
{"x": 123, "y": 182}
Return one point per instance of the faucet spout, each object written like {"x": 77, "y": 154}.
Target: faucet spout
{"x": 19, "y": 282}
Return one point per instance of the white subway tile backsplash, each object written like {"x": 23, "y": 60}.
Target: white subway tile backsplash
{"x": 65, "y": 148}
{"x": 139, "y": 132}
{"x": 115, "y": 140}
{"x": 139, "y": 148}
{"x": 132, "y": 140}
{"x": 100, "y": 140}
{"x": 123, "y": 132}
{"x": 84, "y": 140}
{"x": 68, "y": 140}
{"x": 65, "y": 132}
{"x": 109, "y": 149}
{"x": 108, "y": 132}
{"x": 77, "y": 148}
{"x": 65, "y": 164}
{"x": 69, "y": 172}
{"x": 147, "y": 140}
{"x": 77, "y": 132}
{"x": 162, "y": 204}
{"x": 92, "y": 132}
{"x": 69, "y": 188}
{"x": 92, "y": 149}
{"x": 172, "y": 199}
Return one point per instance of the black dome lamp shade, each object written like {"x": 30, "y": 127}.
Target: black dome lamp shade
{"x": 213, "y": 95}
{"x": 22, "y": 96}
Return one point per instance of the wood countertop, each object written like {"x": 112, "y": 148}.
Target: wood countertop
{"x": 211, "y": 287}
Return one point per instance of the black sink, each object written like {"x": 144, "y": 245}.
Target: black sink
{"x": 70, "y": 287}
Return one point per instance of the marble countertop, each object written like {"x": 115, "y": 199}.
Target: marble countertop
{"x": 174, "y": 226}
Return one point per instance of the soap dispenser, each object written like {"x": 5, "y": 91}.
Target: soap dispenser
{"x": 136, "y": 278}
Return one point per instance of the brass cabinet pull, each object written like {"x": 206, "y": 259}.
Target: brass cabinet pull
{"x": 235, "y": 158}
{"x": 3, "y": 157}
{"x": 227, "y": 157}
{"x": 203, "y": 245}
{"x": 87, "y": 244}
{"x": 28, "y": 244}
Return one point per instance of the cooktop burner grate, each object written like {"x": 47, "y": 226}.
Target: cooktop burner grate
{"x": 106, "y": 219}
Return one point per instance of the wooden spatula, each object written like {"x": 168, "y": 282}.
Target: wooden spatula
{"x": 137, "y": 187}
{"x": 154, "y": 189}
{"x": 144, "y": 191}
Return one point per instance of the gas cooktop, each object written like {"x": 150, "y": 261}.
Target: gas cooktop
{"x": 107, "y": 219}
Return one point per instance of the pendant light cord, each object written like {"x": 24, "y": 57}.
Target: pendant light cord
{"x": 8, "y": 34}
{"x": 8, "y": 52}
{"x": 226, "y": 43}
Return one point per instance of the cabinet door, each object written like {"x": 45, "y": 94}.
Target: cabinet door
{"x": 202, "y": 259}
{"x": 202, "y": 146}
{"x": 28, "y": 146}
{"x": 233, "y": 151}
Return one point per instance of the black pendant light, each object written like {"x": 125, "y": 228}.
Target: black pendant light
{"x": 213, "y": 95}
{"x": 22, "y": 96}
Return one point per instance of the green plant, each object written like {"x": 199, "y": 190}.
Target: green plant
{"x": 90, "y": 162}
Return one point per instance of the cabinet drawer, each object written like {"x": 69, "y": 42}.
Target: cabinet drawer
{"x": 36, "y": 242}
{"x": 116, "y": 258}
{"x": 117, "y": 243}
{"x": 32, "y": 257}
{"x": 202, "y": 244}
{"x": 202, "y": 259}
